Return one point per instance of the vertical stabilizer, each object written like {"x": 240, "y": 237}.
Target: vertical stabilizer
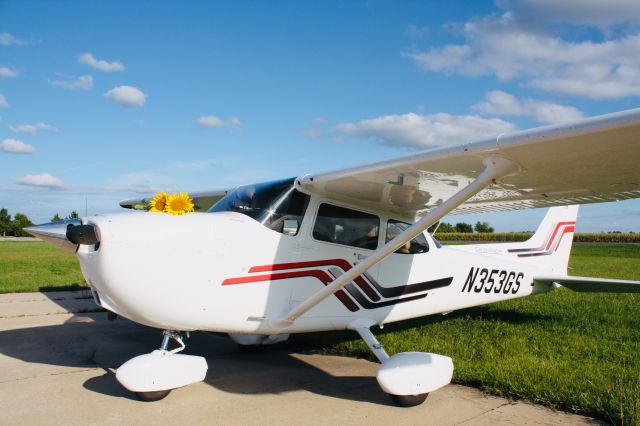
{"x": 551, "y": 244}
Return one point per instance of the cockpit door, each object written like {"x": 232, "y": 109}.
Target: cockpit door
{"x": 339, "y": 238}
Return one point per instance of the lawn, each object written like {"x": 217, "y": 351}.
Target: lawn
{"x": 577, "y": 352}
{"x": 574, "y": 351}
{"x": 37, "y": 266}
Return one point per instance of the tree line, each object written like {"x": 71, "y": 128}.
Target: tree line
{"x": 13, "y": 227}
{"x": 463, "y": 227}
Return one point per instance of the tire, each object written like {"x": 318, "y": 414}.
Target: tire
{"x": 409, "y": 400}
{"x": 251, "y": 349}
{"x": 153, "y": 395}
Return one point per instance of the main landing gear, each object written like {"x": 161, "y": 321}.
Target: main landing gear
{"x": 152, "y": 376}
{"x": 408, "y": 377}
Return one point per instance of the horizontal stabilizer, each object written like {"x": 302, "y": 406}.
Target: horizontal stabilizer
{"x": 590, "y": 284}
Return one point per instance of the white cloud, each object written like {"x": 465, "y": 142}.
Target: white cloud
{"x": 514, "y": 46}
{"x": 6, "y": 72}
{"x": 217, "y": 122}
{"x": 7, "y": 39}
{"x": 417, "y": 31}
{"x": 32, "y": 129}
{"x": 43, "y": 180}
{"x": 127, "y": 96}
{"x": 84, "y": 82}
{"x": 424, "y": 131}
{"x": 211, "y": 121}
{"x": 313, "y": 133}
{"x": 15, "y": 146}
{"x": 3, "y": 102}
{"x": 497, "y": 102}
{"x": 102, "y": 65}
{"x": 142, "y": 182}
{"x": 579, "y": 12}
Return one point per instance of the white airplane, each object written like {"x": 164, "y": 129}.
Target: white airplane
{"x": 349, "y": 249}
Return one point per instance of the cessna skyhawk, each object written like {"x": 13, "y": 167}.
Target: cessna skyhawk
{"x": 350, "y": 249}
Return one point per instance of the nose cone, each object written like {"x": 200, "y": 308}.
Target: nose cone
{"x": 55, "y": 233}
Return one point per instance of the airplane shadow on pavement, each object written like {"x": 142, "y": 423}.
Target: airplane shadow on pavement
{"x": 89, "y": 341}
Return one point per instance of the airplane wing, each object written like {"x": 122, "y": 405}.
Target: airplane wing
{"x": 590, "y": 284}
{"x": 588, "y": 161}
{"x": 201, "y": 200}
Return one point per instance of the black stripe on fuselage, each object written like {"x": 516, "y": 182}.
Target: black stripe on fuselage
{"x": 389, "y": 292}
{"x": 366, "y": 304}
{"x": 402, "y": 290}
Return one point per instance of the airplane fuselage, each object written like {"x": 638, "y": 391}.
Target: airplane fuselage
{"x": 225, "y": 272}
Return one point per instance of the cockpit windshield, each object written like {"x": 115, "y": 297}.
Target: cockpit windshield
{"x": 276, "y": 205}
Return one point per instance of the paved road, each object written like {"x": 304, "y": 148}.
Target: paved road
{"x": 58, "y": 368}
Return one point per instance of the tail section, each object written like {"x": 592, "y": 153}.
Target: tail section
{"x": 551, "y": 244}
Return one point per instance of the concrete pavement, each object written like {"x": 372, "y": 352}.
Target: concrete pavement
{"x": 58, "y": 367}
{"x": 15, "y": 305}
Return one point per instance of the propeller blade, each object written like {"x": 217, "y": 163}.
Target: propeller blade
{"x": 55, "y": 233}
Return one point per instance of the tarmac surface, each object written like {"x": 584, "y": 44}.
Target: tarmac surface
{"x": 58, "y": 356}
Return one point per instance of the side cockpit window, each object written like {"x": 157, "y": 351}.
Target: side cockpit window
{"x": 286, "y": 216}
{"x": 347, "y": 227}
{"x": 418, "y": 245}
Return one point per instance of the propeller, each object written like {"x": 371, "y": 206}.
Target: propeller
{"x": 66, "y": 234}
{"x": 82, "y": 234}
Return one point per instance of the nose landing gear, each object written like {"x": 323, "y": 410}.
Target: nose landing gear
{"x": 152, "y": 376}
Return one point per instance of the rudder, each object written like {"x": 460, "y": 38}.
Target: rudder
{"x": 551, "y": 243}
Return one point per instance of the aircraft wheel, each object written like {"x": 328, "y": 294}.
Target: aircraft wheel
{"x": 409, "y": 400}
{"x": 153, "y": 395}
{"x": 251, "y": 349}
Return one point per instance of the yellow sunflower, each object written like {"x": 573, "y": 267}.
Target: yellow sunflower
{"x": 179, "y": 204}
{"x": 157, "y": 205}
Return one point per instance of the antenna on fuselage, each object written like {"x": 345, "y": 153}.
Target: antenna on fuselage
{"x": 437, "y": 226}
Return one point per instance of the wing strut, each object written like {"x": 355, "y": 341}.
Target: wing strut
{"x": 495, "y": 168}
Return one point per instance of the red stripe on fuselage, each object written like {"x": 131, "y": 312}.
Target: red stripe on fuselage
{"x": 555, "y": 231}
{"x": 320, "y": 275}
{"x": 565, "y": 231}
{"x": 297, "y": 265}
{"x": 360, "y": 282}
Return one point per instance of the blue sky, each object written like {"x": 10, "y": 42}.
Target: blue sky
{"x": 110, "y": 100}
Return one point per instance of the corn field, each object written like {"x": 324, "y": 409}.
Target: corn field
{"x": 522, "y": 236}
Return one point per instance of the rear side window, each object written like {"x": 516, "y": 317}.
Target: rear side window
{"x": 345, "y": 226}
{"x": 417, "y": 245}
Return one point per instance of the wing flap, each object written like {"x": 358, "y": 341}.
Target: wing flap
{"x": 590, "y": 284}
{"x": 593, "y": 160}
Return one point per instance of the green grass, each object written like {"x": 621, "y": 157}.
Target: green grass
{"x": 577, "y": 352}
{"x": 36, "y": 266}
{"x": 573, "y": 351}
